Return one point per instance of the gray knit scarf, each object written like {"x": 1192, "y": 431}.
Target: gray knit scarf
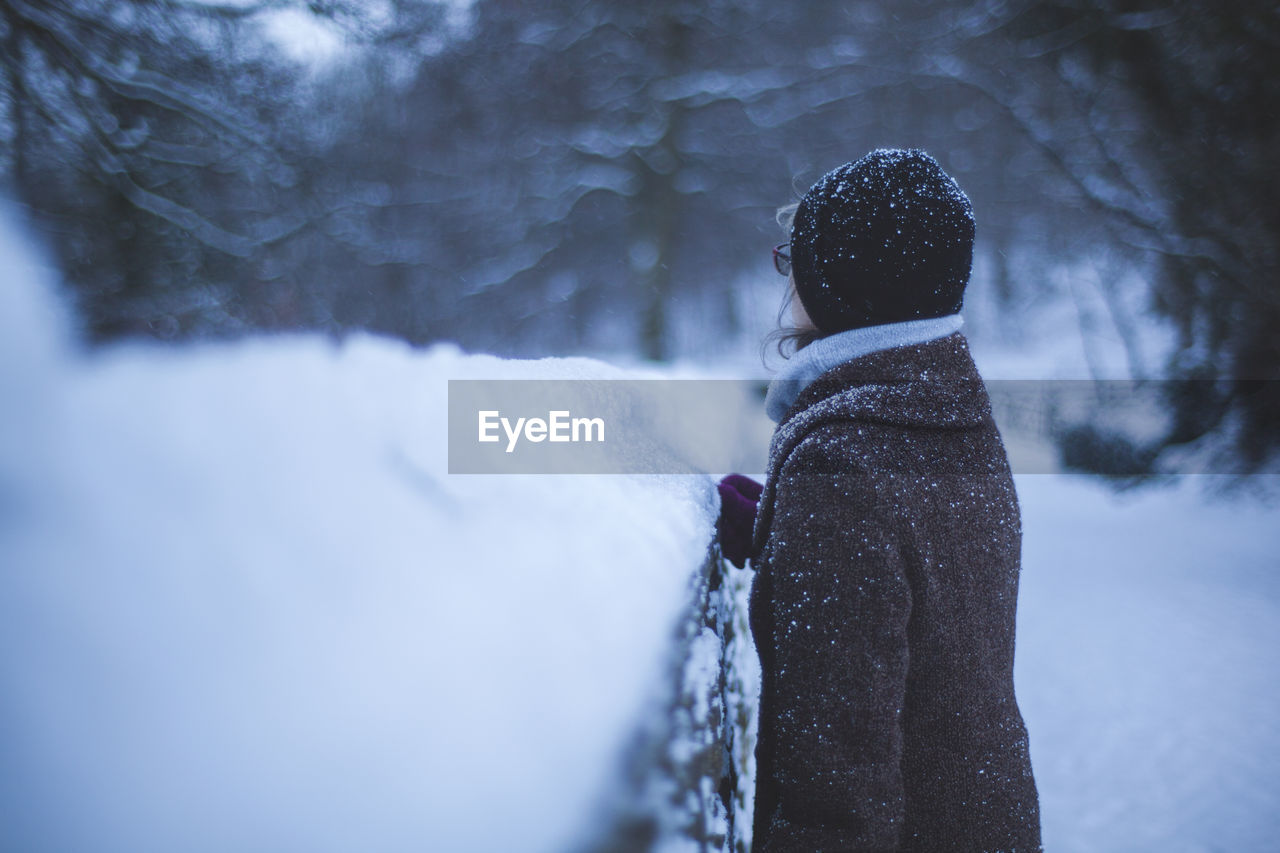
{"x": 833, "y": 350}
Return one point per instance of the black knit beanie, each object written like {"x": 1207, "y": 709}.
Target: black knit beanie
{"x": 885, "y": 239}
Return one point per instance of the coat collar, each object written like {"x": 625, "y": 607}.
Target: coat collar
{"x": 833, "y": 350}
{"x": 933, "y": 385}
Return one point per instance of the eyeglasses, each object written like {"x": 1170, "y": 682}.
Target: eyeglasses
{"x": 782, "y": 258}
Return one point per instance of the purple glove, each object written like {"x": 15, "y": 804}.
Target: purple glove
{"x": 739, "y": 496}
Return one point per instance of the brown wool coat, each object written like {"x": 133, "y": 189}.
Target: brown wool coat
{"x": 888, "y": 544}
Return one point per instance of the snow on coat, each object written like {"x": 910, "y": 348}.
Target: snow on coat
{"x": 883, "y": 609}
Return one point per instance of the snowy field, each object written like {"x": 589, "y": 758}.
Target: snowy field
{"x": 243, "y": 607}
{"x": 1148, "y": 667}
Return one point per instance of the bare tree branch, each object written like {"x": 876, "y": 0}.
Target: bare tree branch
{"x": 142, "y": 86}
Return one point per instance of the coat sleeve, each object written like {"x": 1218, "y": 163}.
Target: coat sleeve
{"x": 839, "y": 655}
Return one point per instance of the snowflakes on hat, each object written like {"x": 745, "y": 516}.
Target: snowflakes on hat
{"x": 884, "y": 239}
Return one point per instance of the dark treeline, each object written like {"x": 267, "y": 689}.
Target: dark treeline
{"x": 577, "y": 175}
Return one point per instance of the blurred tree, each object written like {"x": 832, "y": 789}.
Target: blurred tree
{"x": 1206, "y": 77}
{"x": 157, "y": 149}
{"x": 1163, "y": 120}
{"x": 106, "y": 125}
{"x": 594, "y": 174}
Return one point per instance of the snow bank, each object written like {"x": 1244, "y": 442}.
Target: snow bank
{"x": 243, "y": 607}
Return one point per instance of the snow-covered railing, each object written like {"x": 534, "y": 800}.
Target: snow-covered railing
{"x": 244, "y": 607}
{"x": 689, "y": 776}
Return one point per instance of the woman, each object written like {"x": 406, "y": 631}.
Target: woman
{"x": 886, "y": 542}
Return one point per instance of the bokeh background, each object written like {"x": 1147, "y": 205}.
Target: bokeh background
{"x": 245, "y": 245}
{"x": 593, "y": 177}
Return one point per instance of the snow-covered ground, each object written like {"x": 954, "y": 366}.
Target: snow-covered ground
{"x": 243, "y": 607}
{"x": 1148, "y": 667}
